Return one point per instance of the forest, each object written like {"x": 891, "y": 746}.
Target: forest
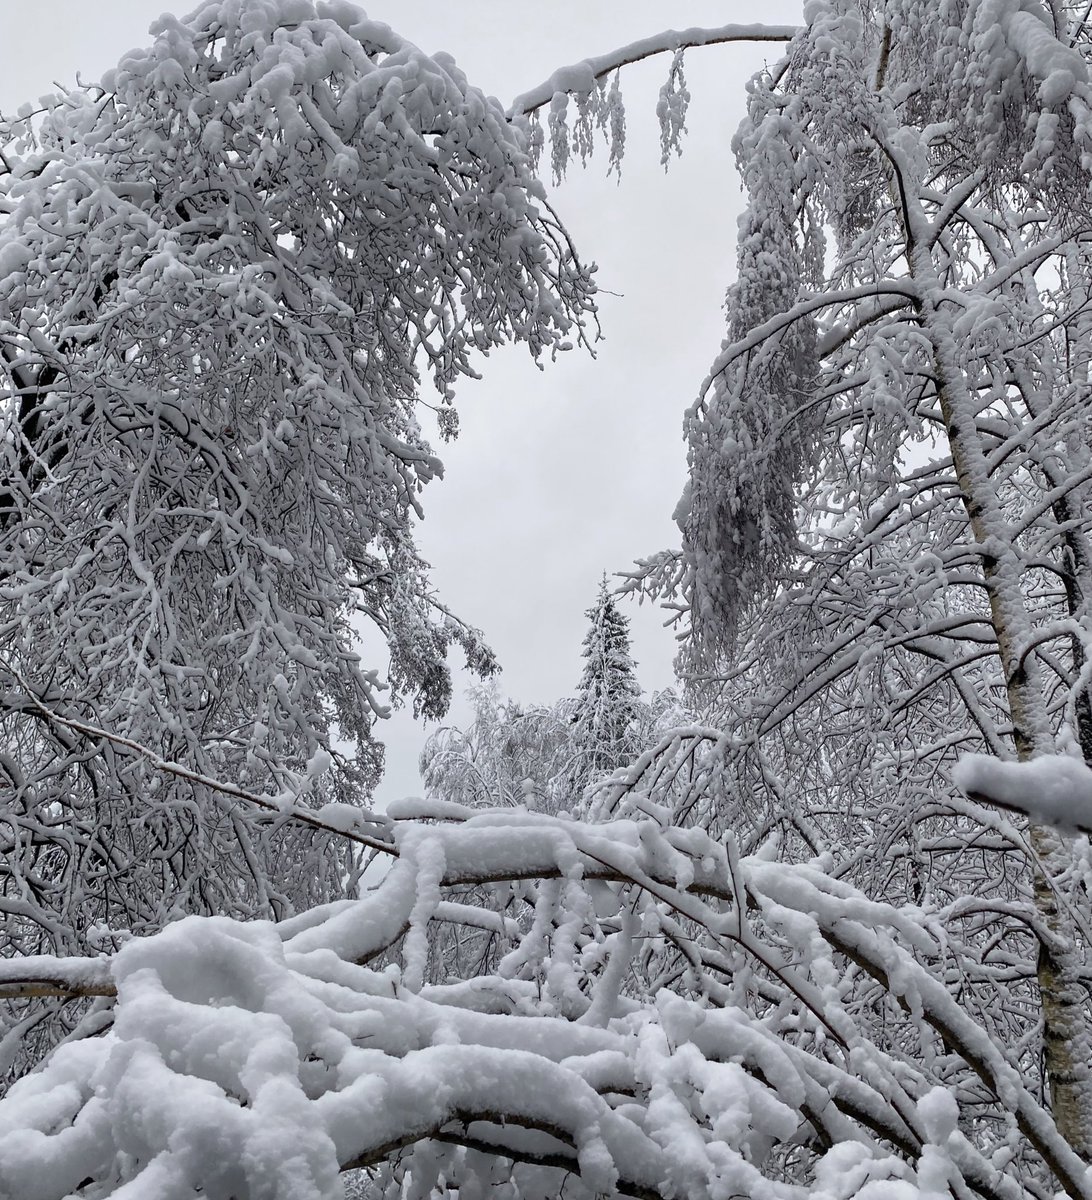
{"x": 813, "y": 923}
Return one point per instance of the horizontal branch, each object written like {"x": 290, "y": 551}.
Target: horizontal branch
{"x": 582, "y": 77}
{"x": 45, "y": 975}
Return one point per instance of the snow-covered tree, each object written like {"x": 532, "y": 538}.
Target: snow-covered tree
{"x": 528, "y": 757}
{"x": 544, "y": 756}
{"x": 508, "y": 754}
{"x": 606, "y": 711}
{"x": 221, "y": 273}
{"x": 885, "y": 554}
{"x": 886, "y": 532}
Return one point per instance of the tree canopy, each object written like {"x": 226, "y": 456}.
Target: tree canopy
{"x": 221, "y": 277}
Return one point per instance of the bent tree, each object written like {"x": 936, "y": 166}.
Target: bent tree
{"x": 221, "y": 275}
{"x": 716, "y": 992}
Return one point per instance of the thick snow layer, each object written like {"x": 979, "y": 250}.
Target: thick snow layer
{"x": 1057, "y": 66}
{"x": 245, "y": 1059}
{"x": 1053, "y": 789}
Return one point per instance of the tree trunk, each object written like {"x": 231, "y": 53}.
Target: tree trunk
{"x": 1066, "y": 1046}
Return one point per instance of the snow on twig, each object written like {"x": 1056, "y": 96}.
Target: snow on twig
{"x": 330, "y": 819}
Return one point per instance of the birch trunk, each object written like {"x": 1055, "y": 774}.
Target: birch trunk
{"x": 1066, "y": 1045}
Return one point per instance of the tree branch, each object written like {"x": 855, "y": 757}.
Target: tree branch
{"x": 291, "y": 812}
{"x": 47, "y": 975}
{"x": 583, "y": 76}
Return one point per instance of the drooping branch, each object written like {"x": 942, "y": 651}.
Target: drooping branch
{"x": 583, "y": 76}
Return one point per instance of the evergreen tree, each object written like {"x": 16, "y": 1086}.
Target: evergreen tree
{"x": 608, "y": 701}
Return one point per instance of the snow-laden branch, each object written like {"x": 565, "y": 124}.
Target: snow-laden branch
{"x": 582, "y": 77}
{"x": 1053, "y": 789}
{"x": 564, "y": 1055}
{"x": 47, "y": 975}
{"x": 343, "y": 820}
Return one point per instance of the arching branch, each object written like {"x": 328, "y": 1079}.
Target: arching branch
{"x": 583, "y": 76}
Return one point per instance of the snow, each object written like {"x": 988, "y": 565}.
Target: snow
{"x": 525, "y": 1004}
{"x": 1058, "y": 66}
{"x": 350, "y": 818}
{"x": 1052, "y": 789}
{"x": 247, "y": 1059}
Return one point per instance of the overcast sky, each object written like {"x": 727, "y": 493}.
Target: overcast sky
{"x": 558, "y": 474}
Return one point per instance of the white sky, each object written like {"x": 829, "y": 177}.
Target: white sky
{"x": 559, "y": 474}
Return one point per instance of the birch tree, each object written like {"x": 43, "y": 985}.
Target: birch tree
{"x": 885, "y": 554}
{"x": 509, "y": 754}
{"x": 222, "y": 274}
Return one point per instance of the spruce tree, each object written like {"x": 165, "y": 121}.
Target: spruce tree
{"x": 607, "y": 706}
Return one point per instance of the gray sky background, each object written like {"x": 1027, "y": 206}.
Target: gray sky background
{"x": 561, "y": 474}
